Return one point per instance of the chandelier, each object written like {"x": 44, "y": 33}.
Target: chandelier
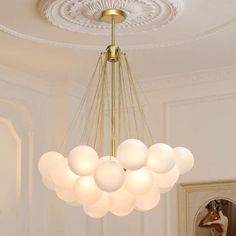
{"x": 112, "y": 170}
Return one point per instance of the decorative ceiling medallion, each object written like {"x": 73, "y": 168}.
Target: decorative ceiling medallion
{"x": 83, "y": 15}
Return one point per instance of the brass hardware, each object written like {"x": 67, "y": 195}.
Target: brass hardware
{"x": 119, "y": 15}
{"x": 113, "y": 53}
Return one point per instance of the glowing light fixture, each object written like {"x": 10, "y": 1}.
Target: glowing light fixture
{"x": 138, "y": 176}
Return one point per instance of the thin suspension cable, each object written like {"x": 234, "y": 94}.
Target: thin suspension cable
{"x": 137, "y": 99}
{"x": 80, "y": 106}
{"x": 124, "y": 97}
{"x": 93, "y": 106}
{"x": 100, "y": 118}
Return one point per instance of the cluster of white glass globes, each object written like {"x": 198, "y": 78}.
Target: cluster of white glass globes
{"x": 133, "y": 180}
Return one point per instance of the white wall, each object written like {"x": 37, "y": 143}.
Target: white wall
{"x": 196, "y": 110}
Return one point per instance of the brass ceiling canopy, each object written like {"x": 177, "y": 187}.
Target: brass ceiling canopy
{"x": 118, "y": 15}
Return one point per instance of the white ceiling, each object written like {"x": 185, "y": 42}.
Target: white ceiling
{"x": 201, "y": 37}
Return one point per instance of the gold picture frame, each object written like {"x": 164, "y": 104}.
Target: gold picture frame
{"x": 192, "y": 197}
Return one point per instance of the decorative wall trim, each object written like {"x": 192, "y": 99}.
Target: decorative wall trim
{"x": 18, "y": 189}
{"x": 20, "y": 119}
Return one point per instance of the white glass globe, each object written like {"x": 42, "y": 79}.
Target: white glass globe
{"x": 65, "y": 194}
{"x": 95, "y": 211}
{"x": 107, "y": 158}
{"x": 161, "y": 158}
{"x": 184, "y": 159}
{"x": 118, "y": 212}
{"x": 99, "y": 209}
{"x": 86, "y": 191}
{"x": 168, "y": 179}
{"x": 132, "y": 154}
{"x": 103, "y": 201}
{"x": 149, "y": 200}
{"x": 109, "y": 176}
{"x": 83, "y": 160}
{"x": 139, "y": 182}
{"x": 48, "y": 183}
{"x": 121, "y": 202}
{"x": 62, "y": 176}
{"x": 47, "y": 162}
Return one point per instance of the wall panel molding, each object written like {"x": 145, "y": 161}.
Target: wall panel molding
{"x": 18, "y": 116}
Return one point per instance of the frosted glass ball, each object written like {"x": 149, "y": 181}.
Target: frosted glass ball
{"x": 168, "y": 179}
{"x": 47, "y": 162}
{"x": 184, "y": 159}
{"x": 99, "y": 209}
{"x": 86, "y": 191}
{"x": 118, "y": 212}
{"x": 149, "y": 200}
{"x": 48, "y": 183}
{"x": 103, "y": 201}
{"x": 83, "y": 160}
{"x": 161, "y": 158}
{"x": 121, "y": 202}
{"x": 95, "y": 211}
{"x": 62, "y": 176}
{"x": 109, "y": 176}
{"x": 139, "y": 182}
{"x": 65, "y": 194}
{"x": 107, "y": 158}
{"x": 132, "y": 154}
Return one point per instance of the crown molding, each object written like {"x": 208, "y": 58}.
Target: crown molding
{"x": 165, "y": 44}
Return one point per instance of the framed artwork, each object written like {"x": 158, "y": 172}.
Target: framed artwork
{"x": 207, "y": 209}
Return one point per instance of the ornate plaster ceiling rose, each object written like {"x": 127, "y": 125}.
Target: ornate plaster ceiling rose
{"x": 84, "y": 15}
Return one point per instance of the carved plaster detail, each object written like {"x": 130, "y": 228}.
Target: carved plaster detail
{"x": 84, "y": 16}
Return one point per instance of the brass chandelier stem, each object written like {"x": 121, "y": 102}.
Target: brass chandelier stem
{"x": 113, "y": 94}
{"x": 113, "y": 34}
{"x": 113, "y": 16}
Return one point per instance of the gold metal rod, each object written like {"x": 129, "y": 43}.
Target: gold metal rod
{"x": 113, "y": 121}
{"x": 113, "y": 35}
{"x": 113, "y": 102}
